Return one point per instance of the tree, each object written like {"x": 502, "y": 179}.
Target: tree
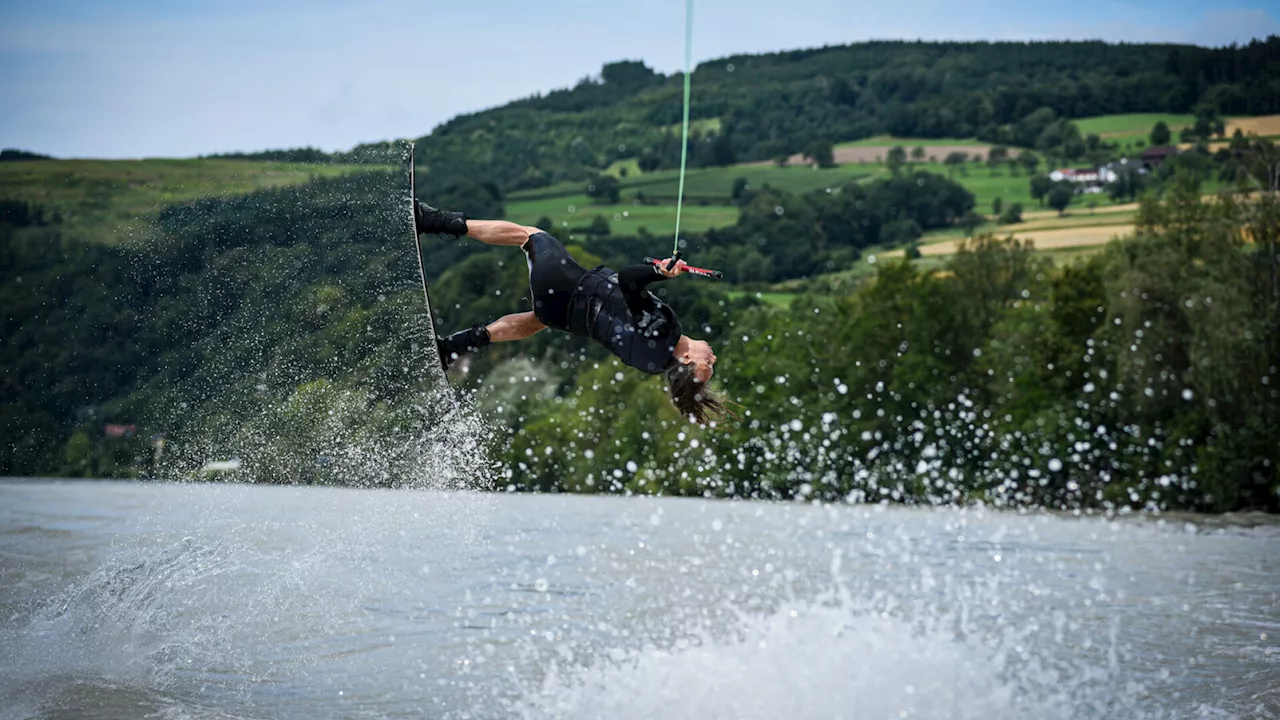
{"x": 1059, "y": 198}
{"x": 649, "y": 161}
{"x": 1040, "y": 187}
{"x": 997, "y": 205}
{"x": 1128, "y": 185}
{"x": 544, "y": 223}
{"x": 722, "y": 153}
{"x": 996, "y": 155}
{"x": 1012, "y": 214}
{"x": 740, "y": 187}
{"x": 917, "y": 154}
{"x": 896, "y": 158}
{"x": 821, "y": 153}
{"x": 970, "y": 222}
{"x": 604, "y": 189}
{"x": 955, "y": 160}
{"x": 1160, "y": 134}
{"x": 599, "y": 226}
{"x": 1208, "y": 122}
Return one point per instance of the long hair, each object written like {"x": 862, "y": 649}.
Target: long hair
{"x": 691, "y": 396}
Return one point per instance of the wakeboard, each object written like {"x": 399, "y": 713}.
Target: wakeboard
{"x": 432, "y": 352}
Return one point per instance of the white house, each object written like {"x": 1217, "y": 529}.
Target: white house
{"x": 1087, "y": 180}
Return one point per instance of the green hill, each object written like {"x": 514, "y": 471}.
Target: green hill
{"x": 109, "y": 201}
{"x": 750, "y": 108}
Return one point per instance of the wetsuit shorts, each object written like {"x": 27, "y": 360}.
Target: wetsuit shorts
{"x": 553, "y": 277}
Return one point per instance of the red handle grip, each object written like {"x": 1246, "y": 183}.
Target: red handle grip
{"x": 713, "y": 274}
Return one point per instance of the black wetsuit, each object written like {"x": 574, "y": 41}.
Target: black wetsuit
{"x": 615, "y": 309}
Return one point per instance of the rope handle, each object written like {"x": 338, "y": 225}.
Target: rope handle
{"x": 713, "y": 274}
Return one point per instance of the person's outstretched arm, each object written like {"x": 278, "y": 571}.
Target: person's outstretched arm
{"x": 633, "y": 280}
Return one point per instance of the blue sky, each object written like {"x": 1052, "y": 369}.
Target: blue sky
{"x": 178, "y": 78}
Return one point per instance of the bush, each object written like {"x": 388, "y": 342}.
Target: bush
{"x": 1012, "y": 214}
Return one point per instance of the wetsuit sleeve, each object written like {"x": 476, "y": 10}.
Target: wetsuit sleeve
{"x": 633, "y": 280}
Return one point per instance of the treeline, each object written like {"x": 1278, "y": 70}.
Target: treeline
{"x": 374, "y": 154}
{"x": 760, "y": 107}
{"x": 13, "y": 155}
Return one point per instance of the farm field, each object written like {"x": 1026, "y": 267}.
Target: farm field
{"x": 708, "y": 190}
{"x": 626, "y": 218}
{"x": 1044, "y": 239}
{"x": 1132, "y": 125}
{"x": 109, "y": 200}
{"x": 888, "y": 141}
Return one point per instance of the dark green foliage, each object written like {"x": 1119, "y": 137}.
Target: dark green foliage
{"x": 1144, "y": 377}
{"x": 299, "y": 155}
{"x": 1160, "y": 133}
{"x": 12, "y": 155}
{"x": 895, "y": 158}
{"x": 604, "y": 190}
{"x": 1040, "y": 187}
{"x": 1012, "y": 214}
{"x": 901, "y": 232}
{"x": 1128, "y": 185}
{"x": 821, "y": 153}
{"x": 1060, "y": 197}
{"x": 599, "y": 226}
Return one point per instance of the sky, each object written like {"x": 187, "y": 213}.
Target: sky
{"x": 180, "y": 78}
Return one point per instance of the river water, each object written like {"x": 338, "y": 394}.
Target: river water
{"x": 232, "y": 601}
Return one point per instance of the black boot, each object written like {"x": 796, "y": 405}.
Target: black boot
{"x": 427, "y": 219}
{"x": 464, "y": 341}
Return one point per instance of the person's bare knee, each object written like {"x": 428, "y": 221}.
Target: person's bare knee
{"x": 531, "y": 231}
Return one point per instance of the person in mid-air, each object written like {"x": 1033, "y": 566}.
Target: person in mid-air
{"x": 612, "y": 308}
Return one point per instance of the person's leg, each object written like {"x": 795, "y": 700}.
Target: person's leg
{"x": 427, "y": 219}
{"x": 499, "y": 232}
{"x": 517, "y": 326}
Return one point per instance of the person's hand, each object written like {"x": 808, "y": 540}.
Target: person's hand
{"x": 662, "y": 267}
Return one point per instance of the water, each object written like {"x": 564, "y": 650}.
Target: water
{"x": 223, "y": 601}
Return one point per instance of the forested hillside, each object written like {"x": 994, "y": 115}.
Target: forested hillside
{"x": 758, "y": 107}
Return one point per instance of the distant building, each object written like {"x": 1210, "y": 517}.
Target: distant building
{"x": 1153, "y": 157}
{"x": 1086, "y": 180}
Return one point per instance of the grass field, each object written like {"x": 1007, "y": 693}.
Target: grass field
{"x": 1131, "y": 126}
{"x": 888, "y": 141}
{"x": 707, "y": 187}
{"x": 713, "y": 186}
{"x": 1063, "y": 238}
{"x": 625, "y": 218}
{"x": 107, "y": 200}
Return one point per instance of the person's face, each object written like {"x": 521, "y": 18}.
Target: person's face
{"x": 703, "y": 360}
